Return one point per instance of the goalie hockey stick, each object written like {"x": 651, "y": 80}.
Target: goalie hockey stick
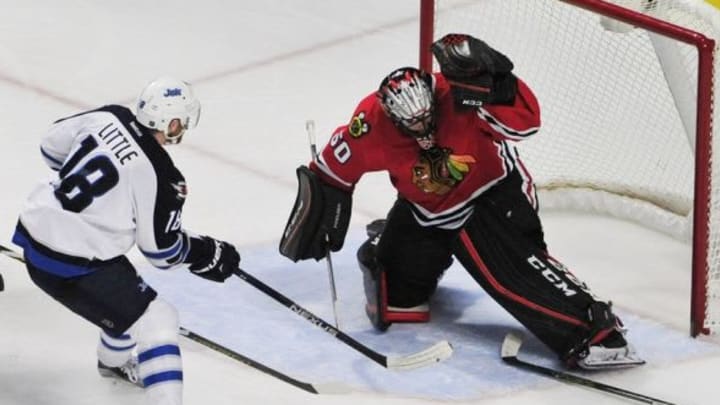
{"x": 310, "y": 129}
{"x": 509, "y": 351}
{"x": 436, "y": 353}
{"x": 331, "y": 388}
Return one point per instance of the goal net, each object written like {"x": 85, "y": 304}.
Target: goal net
{"x": 626, "y": 90}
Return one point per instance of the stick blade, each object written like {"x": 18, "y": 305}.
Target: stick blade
{"x": 433, "y": 354}
{"x": 511, "y": 345}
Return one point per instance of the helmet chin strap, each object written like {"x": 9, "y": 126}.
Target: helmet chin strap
{"x": 173, "y": 140}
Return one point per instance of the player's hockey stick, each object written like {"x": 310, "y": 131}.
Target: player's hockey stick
{"x": 310, "y": 129}
{"x": 11, "y": 253}
{"x": 438, "y": 352}
{"x": 511, "y": 347}
{"x": 313, "y": 388}
{"x": 331, "y": 388}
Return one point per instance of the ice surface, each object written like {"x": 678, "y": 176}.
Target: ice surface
{"x": 261, "y": 69}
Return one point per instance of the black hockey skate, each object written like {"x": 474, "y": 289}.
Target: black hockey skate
{"x": 127, "y": 372}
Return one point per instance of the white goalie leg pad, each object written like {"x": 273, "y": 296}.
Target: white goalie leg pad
{"x": 159, "y": 360}
{"x": 115, "y": 351}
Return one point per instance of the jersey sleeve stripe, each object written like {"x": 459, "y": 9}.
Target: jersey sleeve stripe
{"x": 507, "y": 156}
{"x": 505, "y": 130}
{"x": 167, "y": 258}
{"x": 165, "y": 253}
{"x": 326, "y": 170}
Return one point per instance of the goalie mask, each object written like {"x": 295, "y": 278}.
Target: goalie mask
{"x": 164, "y": 100}
{"x": 407, "y": 97}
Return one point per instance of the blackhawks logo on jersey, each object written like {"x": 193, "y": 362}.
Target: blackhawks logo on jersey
{"x": 438, "y": 170}
{"x": 358, "y": 126}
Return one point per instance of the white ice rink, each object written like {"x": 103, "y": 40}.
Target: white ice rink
{"x": 261, "y": 69}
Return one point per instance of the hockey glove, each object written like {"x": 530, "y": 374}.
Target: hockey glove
{"x": 477, "y": 73}
{"x": 216, "y": 260}
{"x": 319, "y": 219}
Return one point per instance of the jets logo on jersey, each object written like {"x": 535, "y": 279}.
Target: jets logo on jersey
{"x": 438, "y": 170}
{"x": 181, "y": 189}
{"x": 358, "y": 126}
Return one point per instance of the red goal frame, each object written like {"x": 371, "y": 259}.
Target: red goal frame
{"x": 703, "y": 149}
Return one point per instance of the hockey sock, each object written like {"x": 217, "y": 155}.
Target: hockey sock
{"x": 115, "y": 351}
{"x": 159, "y": 358}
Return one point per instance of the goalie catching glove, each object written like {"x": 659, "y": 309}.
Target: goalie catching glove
{"x": 477, "y": 73}
{"x": 319, "y": 219}
{"x": 212, "y": 259}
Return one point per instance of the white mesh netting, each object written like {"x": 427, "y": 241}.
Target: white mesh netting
{"x": 618, "y": 108}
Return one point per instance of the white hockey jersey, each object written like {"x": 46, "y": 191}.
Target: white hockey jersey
{"x": 115, "y": 187}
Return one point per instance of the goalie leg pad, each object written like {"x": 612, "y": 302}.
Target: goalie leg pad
{"x": 319, "y": 219}
{"x": 375, "y": 286}
{"x": 501, "y": 255}
{"x": 381, "y": 314}
{"x": 413, "y": 257}
{"x": 402, "y": 263}
{"x": 605, "y": 347}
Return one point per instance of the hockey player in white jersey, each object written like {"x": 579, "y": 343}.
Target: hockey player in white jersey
{"x": 117, "y": 187}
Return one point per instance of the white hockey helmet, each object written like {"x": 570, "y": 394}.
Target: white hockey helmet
{"x": 407, "y": 97}
{"x": 164, "y": 100}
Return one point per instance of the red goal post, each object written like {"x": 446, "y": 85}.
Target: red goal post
{"x": 627, "y": 91}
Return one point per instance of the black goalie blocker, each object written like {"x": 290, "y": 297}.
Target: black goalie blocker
{"x": 319, "y": 219}
{"x": 477, "y": 73}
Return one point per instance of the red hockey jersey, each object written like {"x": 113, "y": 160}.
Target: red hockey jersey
{"x": 473, "y": 153}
